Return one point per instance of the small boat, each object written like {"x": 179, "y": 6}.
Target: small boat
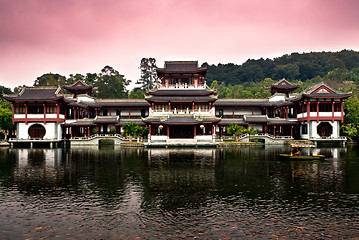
{"x": 302, "y": 145}
{"x": 291, "y": 157}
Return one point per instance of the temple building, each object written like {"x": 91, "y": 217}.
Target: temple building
{"x": 180, "y": 109}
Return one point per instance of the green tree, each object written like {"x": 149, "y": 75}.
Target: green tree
{"x": 133, "y": 130}
{"x": 74, "y": 78}
{"x": 289, "y": 71}
{"x": 111, "y": 84}
{"x": 351, "y": 131}
{"x": 137, "y": 93}
{"x": 340, "y": 74}
{"x": 351, "y": 109}
{"x": 251, "y": 131}
{"x": 353, "y": 75}
{"x": 235, "y": 130}
{"x": 351, "y": 118}
{"x": 4, "y": 90}
{"x": 5, "y": 121}
{"x": 333, "y": 63}
{"x": 50, "y": 79}
{"x": 149, "y": 77}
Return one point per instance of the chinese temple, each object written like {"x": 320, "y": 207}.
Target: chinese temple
{"x": 181, "y": 109}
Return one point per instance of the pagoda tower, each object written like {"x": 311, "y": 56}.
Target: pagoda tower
{"x": 181, "y": 105}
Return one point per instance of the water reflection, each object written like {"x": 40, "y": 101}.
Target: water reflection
{"x": 156, "y": 193}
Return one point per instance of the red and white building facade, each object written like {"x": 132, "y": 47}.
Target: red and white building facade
{"x": 180, "y": 107}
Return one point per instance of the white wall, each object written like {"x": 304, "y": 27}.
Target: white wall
{"x": 53, "y": 130}
{"x": 304, "y": 136}
{"x": 313, "y": 133}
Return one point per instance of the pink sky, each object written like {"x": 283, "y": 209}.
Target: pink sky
{"x": 81, "y": 36}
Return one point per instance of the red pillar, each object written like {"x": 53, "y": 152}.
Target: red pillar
{"x": 194, "y": 131}
{"x": 57, "y": 113}
{"x": 70, "y": 132}
{"x": 169, "y": 107}
{"x": 287, "y": 112}
{"x": 149, "y": 131}
{"x": 25, "y": 113}
{"x": 44, "y": 106}
{"x": 308, "y": 111}
{"x": 274, "y": 131}
{"x": 193, "y": 106}
{"x": 341, "y": 111}
{"x": 317, "y": 110}
{"x": 291, "y": 131}
{"x": 88, "y": 131}
{"x": 332, "y": 110}
{"x": 13, "y": 112}
{"x": 168, "y": 131}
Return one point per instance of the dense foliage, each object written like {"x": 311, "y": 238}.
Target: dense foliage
{"x": 5, "y": 119}
{"x": 351, "y": 120}
{"x": 134, "y": 130}
{"x": 295, "y": 66}
{"x": 109, "y": 83}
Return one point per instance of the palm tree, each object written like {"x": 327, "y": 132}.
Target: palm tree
{"x": 251, "y": 131}
{"x": 133, "y": 129}
{"x": 128, "y": 129}
{"x": 235, "y": 130}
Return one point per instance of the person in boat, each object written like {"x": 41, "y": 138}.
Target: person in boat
{"x": 296, "y": 152}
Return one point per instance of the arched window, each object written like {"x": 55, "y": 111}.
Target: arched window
{"x": 324, "y": 129}
{"x": 37, "y": 131}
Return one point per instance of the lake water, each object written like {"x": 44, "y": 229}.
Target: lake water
{"x": 135, "y": 193}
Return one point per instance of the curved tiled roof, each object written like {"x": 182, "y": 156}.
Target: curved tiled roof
{"x": 106, "y": 119}
{"x": 36, "y": 94}
{"x": 120, "y": 102}
{"x": 78, "y": 86}
{"x": 232, "y": 121}
{"x": 256, "y": 118}
{"x": 181, "y": 92}
{"x": 181, "y": 119}
{"x": 237, "y": 102}
{"x": 282, "y": 121}
{"x": 182, "y": 98}
{"x": 81, "y": 122}
{"x": 189, "y": 67}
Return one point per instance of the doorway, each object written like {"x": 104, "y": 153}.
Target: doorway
{"x": 37, "y": 131}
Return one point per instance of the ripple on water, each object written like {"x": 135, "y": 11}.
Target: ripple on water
{"x": 213, "y": 194}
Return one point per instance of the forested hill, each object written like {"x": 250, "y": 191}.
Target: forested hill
{"x": 343, "y": 66}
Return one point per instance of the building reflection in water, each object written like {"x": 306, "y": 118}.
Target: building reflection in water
{"x": 179, "y": 178}
{"x": 37, "y": 168}
{"x": 175, "y": 178}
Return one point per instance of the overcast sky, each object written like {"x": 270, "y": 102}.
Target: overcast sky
{"x": 82, "y": 36}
